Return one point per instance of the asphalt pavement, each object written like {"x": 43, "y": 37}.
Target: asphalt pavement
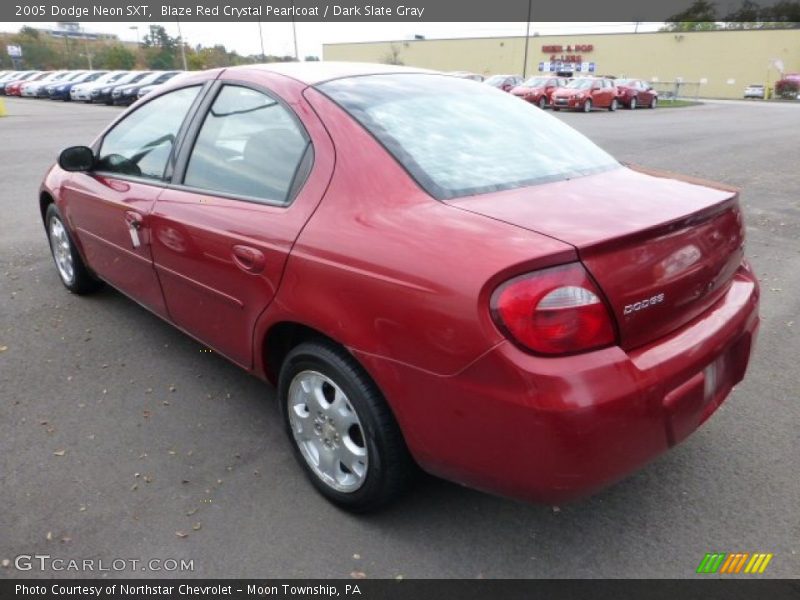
{"x": 121, "y": 439}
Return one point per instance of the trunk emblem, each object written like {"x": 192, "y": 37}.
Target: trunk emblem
{"x": 642, "y": 304}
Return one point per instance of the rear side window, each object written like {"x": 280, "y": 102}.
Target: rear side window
{"x": 456, "y": 140}
{"x": 142, "y": 142}
{"x": 249, "y": 145}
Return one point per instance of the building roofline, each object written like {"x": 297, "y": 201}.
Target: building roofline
{"x": 560, "y": 35}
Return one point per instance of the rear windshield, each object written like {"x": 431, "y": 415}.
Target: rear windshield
{"x": 458, "y": 139}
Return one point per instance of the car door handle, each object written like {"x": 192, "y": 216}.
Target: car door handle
{"x": 134, "y": 221}
{"x": 248, "y": 258}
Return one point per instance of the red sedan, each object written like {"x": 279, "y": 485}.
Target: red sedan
{"x": 634, "y": 93}
{"x": 317, "y": 225}
{"x": 585, "y": 94}
{"x": 14, "y": 88}
{"x": 539, "y": 90}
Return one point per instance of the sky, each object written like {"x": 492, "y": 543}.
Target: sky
{"x": 244, "y": 37}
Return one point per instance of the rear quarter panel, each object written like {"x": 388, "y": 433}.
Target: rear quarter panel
{"x": 386, "y": 270}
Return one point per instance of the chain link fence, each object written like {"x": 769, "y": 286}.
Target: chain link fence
{"x": 669, "y": 91}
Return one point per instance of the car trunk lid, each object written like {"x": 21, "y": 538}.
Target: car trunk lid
{"x": 662, "y": 250}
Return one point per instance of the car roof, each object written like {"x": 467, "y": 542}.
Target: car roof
{"x": 314, "y": 72}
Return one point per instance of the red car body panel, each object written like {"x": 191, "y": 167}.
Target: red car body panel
{"x": 14, "y": 88}
{"x": 575, "y": 98}
{"x": 98, "y": 209}
{"x": 687, "y": 240}
{"x": 367, "y": 258}
{"x": 554, "y": 429}
{"x": 643, "y": 96}
{"x": 535, "y": 94}
{"x": 201, "y": 241}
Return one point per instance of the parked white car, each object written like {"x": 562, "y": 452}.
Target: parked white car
{"x": 32, "y": 89}
{"x": 83, "y": 91}
{"x": 755, "y": 90}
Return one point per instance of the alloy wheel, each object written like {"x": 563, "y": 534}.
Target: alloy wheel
{"x": 62, "y": 253}
{"x": 327, "y": 431}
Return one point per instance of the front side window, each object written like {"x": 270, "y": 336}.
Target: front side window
{"x": 140, "y": 144}
{"x": 456, "y": 140}
{"x": 249, "y": 145}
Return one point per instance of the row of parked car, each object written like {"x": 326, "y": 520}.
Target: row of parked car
{"x": 573, "y": 93}
{"x": 107, "y": 87}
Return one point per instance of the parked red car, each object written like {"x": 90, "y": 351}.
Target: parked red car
{"x": 13, "y": 88}
{"x": 504, "y": 82}
{"x": 587, "y": 93}
{"x": 539, "y": 90}
{"x": 317, "y": 224}
{"x": 634, "y": 93}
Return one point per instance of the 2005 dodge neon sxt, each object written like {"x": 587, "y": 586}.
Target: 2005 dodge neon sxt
{"x": 431, "y": 272}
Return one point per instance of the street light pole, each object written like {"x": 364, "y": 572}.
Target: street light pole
{"x": 527, "y": 41}
{"x": 183, "y": 49}
{"x": 86, "y": 49}
{"x": 294, "y": 34}
{"x": 261, "y": 37}
{"x": 136, "y": 27}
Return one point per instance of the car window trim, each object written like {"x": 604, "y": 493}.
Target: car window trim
{"x": 167, "y": 173}
{"x": 193, "y": 132}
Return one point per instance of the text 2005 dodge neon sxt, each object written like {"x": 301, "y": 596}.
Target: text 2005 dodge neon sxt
{"x": 431, "y": 271}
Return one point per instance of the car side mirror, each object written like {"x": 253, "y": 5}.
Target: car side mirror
{"x": 76, "y": 158}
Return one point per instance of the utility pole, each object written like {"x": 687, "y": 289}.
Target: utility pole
{"x": 527, "y": 41}
{"x": 86, "y": 49}
{"x": 183, "y": 49}
{"x": 294, "y": 34}
{"x": 261, "y": 37}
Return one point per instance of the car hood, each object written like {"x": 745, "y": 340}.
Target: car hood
{"x": 523, "y": 90}
{"x": 568, "y": 92}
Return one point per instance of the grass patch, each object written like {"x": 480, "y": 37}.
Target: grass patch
{"x": 677, "y": 103}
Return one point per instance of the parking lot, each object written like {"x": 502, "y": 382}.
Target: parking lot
{"x": 121, "y": 439}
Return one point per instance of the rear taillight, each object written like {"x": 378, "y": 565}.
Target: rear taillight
{"x": 553, "y": 311}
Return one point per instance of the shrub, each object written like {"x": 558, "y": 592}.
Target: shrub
{"x": 787, "y": 88}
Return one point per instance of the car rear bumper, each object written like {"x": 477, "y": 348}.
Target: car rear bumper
{"x": 555, "y": 429}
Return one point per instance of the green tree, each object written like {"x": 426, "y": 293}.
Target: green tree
{"x": 37, "y": 53}
{"x": 160, "y": 49}
{"x": 784, "y": 14}
{"x": 115, "y": 58}
{"x": 700, "y": 16}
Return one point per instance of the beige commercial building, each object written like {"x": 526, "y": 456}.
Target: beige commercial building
{"x": 721, "y": 62}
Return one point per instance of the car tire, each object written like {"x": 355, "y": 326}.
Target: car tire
{"x": 71, "y": 269}
{"x": 341, "y": 429}
{"x": 614, "y": 105}
{"x": 653, "y": 102}
{"x": 542, "y": 102}
{"x": 587, "y": 106}
{"x": 632, "y": 103}
{"x": 556, "y": 109}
